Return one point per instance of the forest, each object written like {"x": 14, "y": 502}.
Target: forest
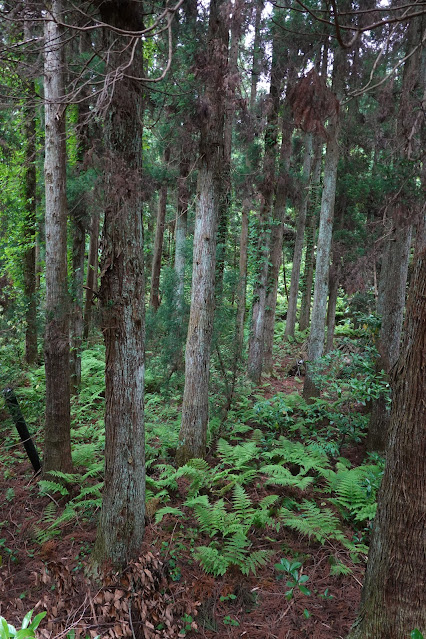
{"x": 212, "y": 319}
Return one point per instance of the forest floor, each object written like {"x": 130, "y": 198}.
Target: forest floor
{"x": 167, "y": 593}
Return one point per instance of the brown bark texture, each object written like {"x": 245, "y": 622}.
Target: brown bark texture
{"x": 57, "y": 443}
{"x": 154, "y": 299}
{"x": 121, "y": 526}
{"x": 30, "y": 231}
{"x": 92, "y": 273}
{"x": 257, "y": 324}
{"x": 394, "y": 596}
{"x": 195, "y": 406}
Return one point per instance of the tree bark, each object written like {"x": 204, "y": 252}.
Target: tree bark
{"x": 276, "y": 243}
{"x": 121, "y": 526}
{"x": 300, "y": 235}
{"x": 181, "y": 227}
{"x": 154, "y": 298}
{"x": 92, "y": 272}
{"x": 193, "y": 431}
{"x": 333, "y": 289}
{"x": 242, "y": 281}
{"x": 30, "y": 229}
{"x": 312, "y": 215}
{"x": 57, "y": 443}
{"x": 317, "y": 334}
{"x": 76, "y": 323}
{"x": 393, "y": 599}
{"x": 257, "y": 325}
{"x": 255, "y": 69}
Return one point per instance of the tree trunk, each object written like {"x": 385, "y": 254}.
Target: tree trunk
{"x": 333, "y": 289}
{"x": 121, "y": 526}
{"x": 312, "y": 215}
{"x": 393, "y": 278}
{"x": 276, "y": 243}
{"x": 154, "y": 298}
{"x": 92, "y": 273}
{"x": 57, "y": 444}
{"x": 242, "y": 282}
{"x": 300, "y": 235}
{"x": 255, "y": 69}
{"x": 193, "y": 432}
{"x": 77, "y": 324}
{"x": 257, "y": 325}
{"x": 317, "y": 334}
{"x": 30, "y": 230}
{"x": 393, "y": 599}
{"x": 180, "y": 231}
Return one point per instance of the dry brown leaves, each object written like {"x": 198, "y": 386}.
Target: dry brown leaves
{"x": 139, "y": 602}
{"x": 312, "y": 103}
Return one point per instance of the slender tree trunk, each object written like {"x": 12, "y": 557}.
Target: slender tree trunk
{"x": 193, "y": 432}
{"x": 276, "y": 243}
{"x": 393, "y": 278}
{"x": 257, "y": 326}
{"x": 225, "y": 196}
{"x": 180, "y": 232}
{"x": 312, "y": 215}
{"x": 121, "y": 526}
{"x": 393, "y": 599}
{"x": 92, "y": 272}
{"x": 333, "y": 289}
{"x": 317, "y": 334}
{"x": 242, "y": 282}
{"x": 57, "y": 444}
{"x": 255, "y": 70}
{"x": 77, "y": 324}
{"x": 300, "y": 235}
{"x": 30, "y": 230}
{"x": 154, "y": 299}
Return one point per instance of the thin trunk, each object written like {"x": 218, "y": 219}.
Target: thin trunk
{"x": 225, "y": 197}
{"x": 180, "y": 232}
{"x": 242, "y": 282}
{"x": 257, "y": 326}
{"x": 154, "y": 298}
{"x": 57, "y": 444}
{"x": 255, "y": 69}
{"x": 300, "y": 235}
{"x": 317, "y": 334}
{"x": 276, "y": 243}
{"x": 393, "y": 278}
{"x": 193, "y": 432}
{"x": 30, "y": 231}
{"x": 312, "y": 216}
{"x": 122, "y": 520}
{"x": 333, "y": 289}
{"x": 76, "y": 323}
{"x": 393, "y": 601}
{"x": 92, "y": 273}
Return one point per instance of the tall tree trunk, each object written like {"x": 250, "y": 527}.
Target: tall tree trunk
{"x": 193, "y": 431}
{"x": 242, "y": 281}
{"x": 30, "y": 229}
{"x": 300, "y": 235}
{"x": 76, "y": 323}
{"x": 255, "y": 69}
{"x": 181, "y": 226}
{"x": 314, "y": 206}
{"x": 276, "y": 243}
{"x": 317, "y": 334}
{"x": 154, "y": 298}
{"x": 121, "y": 526}
{"x": 57, "y": 443}
{"x": 393, "y": 278}
{"x": 393, "y": 601}
{"x": 225, "y": 197}
{"x": 257, "y": 326}
{"x": 92, "y": 272}
{"x": 333, "y": 289}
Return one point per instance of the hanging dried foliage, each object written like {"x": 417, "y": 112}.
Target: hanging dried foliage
{"x": 312, "y": 103}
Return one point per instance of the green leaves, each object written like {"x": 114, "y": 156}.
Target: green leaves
{"x": 28, "y": 628}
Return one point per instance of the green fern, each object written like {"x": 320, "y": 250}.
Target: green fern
{"x": 167, "y": 510}
{"x": 49, "y": 486}
{"x": 312, "y": 521}
{"x": 281, "y": 476}
{"x": 307, "y": 457}
{"x": 355, "y": 490}
{"x": 233, "y": 553}
{"x": 238, "y": 456}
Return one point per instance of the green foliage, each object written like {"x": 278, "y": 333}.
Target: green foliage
{"x": 298, "y": 579}
{"x": 28, "y": 627}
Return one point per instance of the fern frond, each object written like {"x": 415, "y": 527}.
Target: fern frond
{"x": 313, "y": 522}
{"x": 281, "y": 476}
{"x": 48, "y": 486}
{"x": 256, "y": 559}
{"x": 167, "y": 510}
